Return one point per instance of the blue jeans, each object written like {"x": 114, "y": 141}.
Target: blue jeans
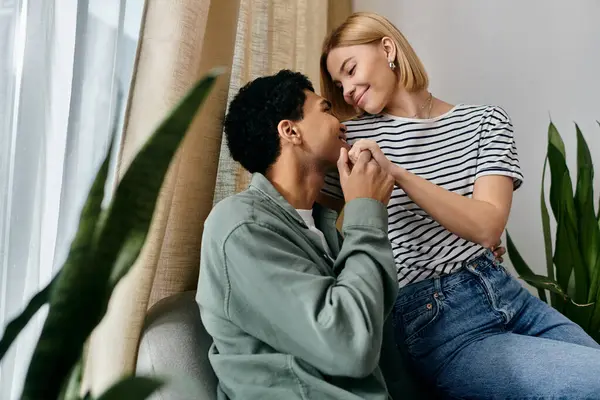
{"x": 478, "y": 334}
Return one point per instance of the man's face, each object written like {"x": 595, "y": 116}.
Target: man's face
{"x": 322, "y": 134}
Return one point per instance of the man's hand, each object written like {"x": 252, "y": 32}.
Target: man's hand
{"x": 371, "y": 146}
{"x": 366, "y": 179}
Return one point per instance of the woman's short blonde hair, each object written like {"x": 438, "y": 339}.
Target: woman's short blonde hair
{"x": 364, "y": 28}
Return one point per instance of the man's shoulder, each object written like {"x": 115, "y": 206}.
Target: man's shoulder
{"x": 249, "y": 207}
{"x": 231, "y": 212}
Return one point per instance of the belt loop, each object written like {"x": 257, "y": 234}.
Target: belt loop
{"x": 437, "y": 285}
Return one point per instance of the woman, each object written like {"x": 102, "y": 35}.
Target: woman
{"x": 469, "y": 327}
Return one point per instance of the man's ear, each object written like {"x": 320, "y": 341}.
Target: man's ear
{"x": 288, "y": 132}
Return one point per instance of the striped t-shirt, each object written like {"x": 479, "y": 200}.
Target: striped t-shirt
{"x": 451, "y": 151}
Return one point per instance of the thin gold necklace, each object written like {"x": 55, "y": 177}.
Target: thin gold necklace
{"x": 429, "y": 103}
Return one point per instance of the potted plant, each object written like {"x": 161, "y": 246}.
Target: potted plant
{"x": 108, "y": 241}
{"x": 573, "y": 262}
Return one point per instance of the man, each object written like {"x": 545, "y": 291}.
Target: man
{"x": 295, "y": 311}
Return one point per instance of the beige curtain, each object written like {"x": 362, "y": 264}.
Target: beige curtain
{"x": 180, "y": 41}
{"x": 273, "y": 35}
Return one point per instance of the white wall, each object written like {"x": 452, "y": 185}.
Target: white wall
{"x": 535, "y": 58}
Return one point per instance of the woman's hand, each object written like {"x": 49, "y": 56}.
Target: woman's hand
{"x": 498, "y": 251}
{"x": 376, "y": 153}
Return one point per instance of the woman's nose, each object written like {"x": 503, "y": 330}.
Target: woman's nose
{"x": 348, "y": 95}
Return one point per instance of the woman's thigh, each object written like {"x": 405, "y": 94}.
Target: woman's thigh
{"x": 479, "y": 333}
{"x": 509, "y": 365}
{"x": 539, "y": 319}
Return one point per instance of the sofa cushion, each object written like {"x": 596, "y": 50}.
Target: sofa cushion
{"x": 175, "y": 344}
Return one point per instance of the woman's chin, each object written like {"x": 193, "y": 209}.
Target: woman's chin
{"x": 372, "y": 109}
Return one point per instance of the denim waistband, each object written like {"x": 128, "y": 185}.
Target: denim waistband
{"x": 439, "y": 283}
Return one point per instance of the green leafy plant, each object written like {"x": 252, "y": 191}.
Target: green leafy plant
{"x": 107, "y": 243}
{"x": 573, "y": 263}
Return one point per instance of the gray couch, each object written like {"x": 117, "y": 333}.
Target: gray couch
{"x": 175, "y": 344}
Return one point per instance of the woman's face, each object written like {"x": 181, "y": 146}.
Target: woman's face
{"x": 363, "y": 73}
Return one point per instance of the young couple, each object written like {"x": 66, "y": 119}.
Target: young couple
{"x": 297, "y": 310}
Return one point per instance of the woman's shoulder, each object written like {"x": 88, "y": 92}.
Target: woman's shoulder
{"x": 483, "y": 109}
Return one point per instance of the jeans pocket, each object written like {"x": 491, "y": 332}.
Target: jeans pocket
{"x": 417, "y": 316}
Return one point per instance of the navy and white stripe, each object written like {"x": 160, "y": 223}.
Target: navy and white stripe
{"x": 452, "y": 151}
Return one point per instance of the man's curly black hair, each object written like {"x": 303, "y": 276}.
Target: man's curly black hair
{"x": 254, "y": 113}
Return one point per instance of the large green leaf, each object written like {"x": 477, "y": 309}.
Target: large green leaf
{"x": 598, "y": 215}
{"x": 74, "y": 270}
{"x": 580, "y": 314}
{"x": 132, "y": 388}
{"x": 80, "y": 243}
{"x": 131, "y": 212}
{"x": 15, "y": 326}
{"x": 559, "y": 191}
{"x": 547, "y": 235}
{"x": 544, "y": 283}
{"x": 595, "y": 322}
{"x": 72, "y": 385}
{"x": 555, "y": 140}
{"x": 567, "y": 257}
{"x": 588, "y": 232}
{"x": 595, "y": 318}
{"x": 521, "y": 266}
{"x": 80, "y": 302}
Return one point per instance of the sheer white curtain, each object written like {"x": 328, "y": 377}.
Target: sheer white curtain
{"x": 65, "y": 71}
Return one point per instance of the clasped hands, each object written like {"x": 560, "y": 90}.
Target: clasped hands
{"x": 365, "y": 171}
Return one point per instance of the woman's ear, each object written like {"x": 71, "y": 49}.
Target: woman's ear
{"x": 288, "y": 132}
{"x": 389, "y": 47}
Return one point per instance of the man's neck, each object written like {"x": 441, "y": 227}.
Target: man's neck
{"x": 299, "y": 185}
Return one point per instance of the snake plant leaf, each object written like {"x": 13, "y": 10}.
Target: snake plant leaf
{"x": 80, "y": 243}
{"x": 555, "y": 140}
{"x": 589, "y": 234}
{"x": 595, "y": 318}
{"x": 65, "y": 294}
{"x": 72, "y": 385}
{"x": 598, "y": 215}
{"x": 521, "y": 266}
{"x": 581, "y": 314}
{"x": 82, "y": 240}
{"x": 86, "y": 279}
{"x": 131, "y": 212}
{"x": 567, "y": 256}
{"x": 547, "y": 235}
{"x": 132, "y": 388}
{"x": 543, "y": 282}
{"x": 14, "y": 327}
{"x": 559, "y": 171}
